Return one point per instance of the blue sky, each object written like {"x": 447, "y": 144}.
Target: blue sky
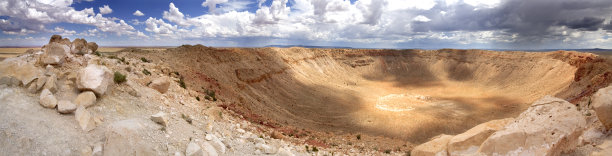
{"x": 430, "y": 24}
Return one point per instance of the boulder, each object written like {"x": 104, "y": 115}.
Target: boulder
{"x": 40, "y": 82}
{"x": 602, "y": 104}
{"x": 160, "y": 84}
{"x": 125, "y": 137}
{"x": 468, "y": 142}
{"x": 209, "y": 149}
{"x": 160, "y": 118}
{"x": 79, "y": 46}
{"x": 216, "y": 142}
{"x": 54, "y": 54}
{"x": 436, "y": 147}
{"x": 193, "y": 149}
{"x": 550, "y": 126}
{"x": 92, "y": 46}
{"x": 85, "y": 119}
{"x": 65, "y": 107}
{"x": 51, "y": 83}
{"x": 85, "y": 99}
{"x": 94, "y": 78}
{"x": 55, "y": 38}
{"x": 47, "y": 99}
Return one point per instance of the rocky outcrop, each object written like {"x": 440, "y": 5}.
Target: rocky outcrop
{"x": 602, "y": 104}
{"x": 54, "y": 54}
{"x": 550, "y": 126}
{"x": 47, "y": 99}
{"x": 193, "y": 149}
{"x": 94, "y": 78}
{"x": 469, "y": 141}
{"x": 125, "y": 138}
{"x": 160, "y": 84}
{"x": 436, "y": 147}
{"x": 85, "y": 99}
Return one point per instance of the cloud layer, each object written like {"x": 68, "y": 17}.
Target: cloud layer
{"x": 365, "y": 23}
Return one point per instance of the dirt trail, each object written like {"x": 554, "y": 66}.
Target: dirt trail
{"x": 354, "y": 91}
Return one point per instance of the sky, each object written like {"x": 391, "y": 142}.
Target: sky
{"x": 398, "y": 24}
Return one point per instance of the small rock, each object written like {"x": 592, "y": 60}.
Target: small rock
{"x": 97, "y": 149}
{"x": 65, "y": 107}
{"x": 602, "y": 104}
{"x": 85, "y": 99}
{"x": 95, "y": 78}
{"x": 160, "y": 84}
{"x": 240, "y": 130}
{"x": 437, "y": 146}
{"x": 208, "y": 137}
{"x": 160, "y": 118}
{"x": 265, "y": 148}
{"x": 47, "y": 99}
{"x": 32, "y": 88}
{"x": 277, "y": 135}
{"x": 177, "y": 153}
{"x": 84, "y": 118}
{"x": 193, "y": 149}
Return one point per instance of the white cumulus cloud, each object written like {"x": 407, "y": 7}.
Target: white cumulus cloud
{"x": 138, "y": 13}
{"x": 105, "y": 10}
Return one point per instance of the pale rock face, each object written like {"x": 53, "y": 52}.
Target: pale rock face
{"x": 40, "y": 82}
{"x": 85, "y": 99}
{"x": 160, "y": 118}
{"x": 85, "y": 119}
{"x": 602, "y": 104}
{"x": 193, "y": 149}
{"x": 550, "y": 126}
{"x": 265, "y": 148}
{"x": 95, "y": 78}
{"x": 125, "y": 138}
{"x": 469, "y": 141}
{"x": 436, "y": 147}
{"x": 160, "y": 84}
{"x": 215, "y": 142}
{"x": 51, "y": 83}
{"x": 65, "y": 107}
{"x": 47, "y": 99}
{"x": 55, "y": 54}
{"x": 209, "y": 149}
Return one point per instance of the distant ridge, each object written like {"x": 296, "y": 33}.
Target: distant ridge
{"x": 308, "y": 46}
{"x": 535, "y": 50}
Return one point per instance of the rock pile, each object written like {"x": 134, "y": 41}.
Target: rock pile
{"x": 550, "y": 126}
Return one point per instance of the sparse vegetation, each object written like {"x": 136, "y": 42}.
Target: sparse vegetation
{"x": 198, "y": 98}
{"x": 358, "y": 136}
{"x": 146, "y": 72}
{"x": 144, "y": 60}
{"x": 314, "y": 149}
{"x": 119, "y": 78}
{"x": 210, "y": 95}
{"x": 187, "y": 118}
{"x": 97, "y": 53}
{"x": 388, "y": 151}
{"x": 182, "y": 83}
